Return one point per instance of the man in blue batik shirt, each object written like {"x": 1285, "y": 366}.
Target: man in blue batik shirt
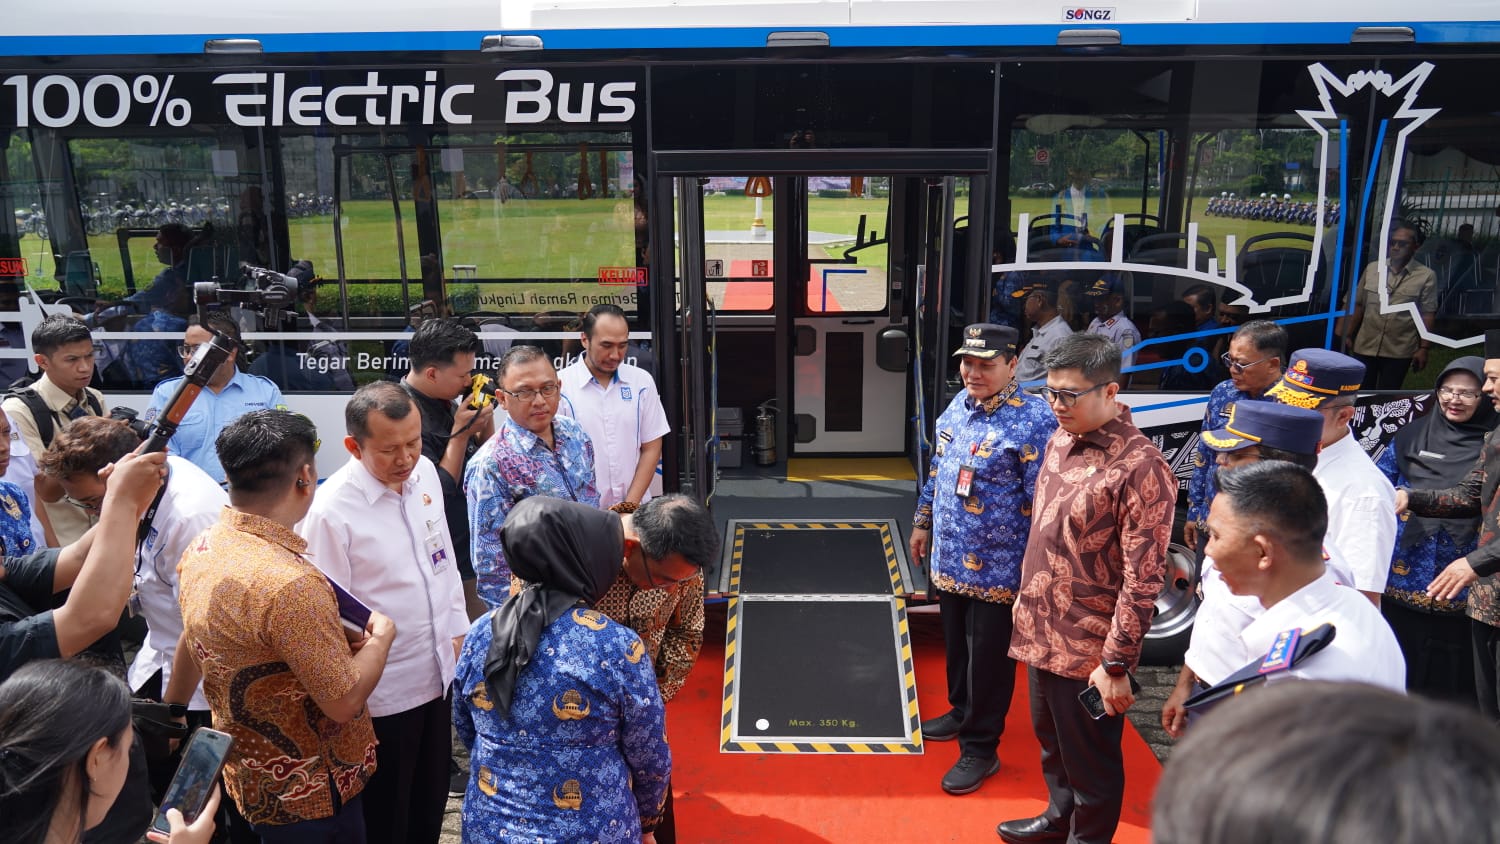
{"x": 974, "y": 515}
{"x": 1256, "y": 356}
{"x": 534, "y": 452}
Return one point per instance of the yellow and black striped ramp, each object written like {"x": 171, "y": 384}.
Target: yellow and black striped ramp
{"x": 819, "y": 674}
{"x": 815, "y": 557}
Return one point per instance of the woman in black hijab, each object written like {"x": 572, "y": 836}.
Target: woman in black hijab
{"x": 1436, "y": 452}
{"x": 557, "y": 704}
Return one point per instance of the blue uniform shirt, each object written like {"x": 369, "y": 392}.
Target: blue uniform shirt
{"x": 978, "y": 540}
{"x": 1201, "y": 487}
{"x": 512, "y": 465}
{"x": 15, "y": 521}
{"x": 211, "y": 413}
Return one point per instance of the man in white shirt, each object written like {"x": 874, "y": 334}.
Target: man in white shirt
{"x": 619, "y": 408}
{"x": 1048, "y": 328}
{"x": 1108, "y": 295}
{"x": 1361, "y": 501}
{"x": 1266, "y": 529}
{"x": 377, "y": 528}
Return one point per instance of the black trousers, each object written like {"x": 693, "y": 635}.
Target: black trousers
{"x": 981, "y": 674}
{"x": 1082, "y": 763}
{"x": 1487, "y": 667}
{"x": 1438, "y": 648}
{"x": 1384, "y": 373}
{"x": 405, "y": 798}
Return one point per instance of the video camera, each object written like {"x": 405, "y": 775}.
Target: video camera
{"x": 129, "y": 416}
{"x": 260, "y": 289}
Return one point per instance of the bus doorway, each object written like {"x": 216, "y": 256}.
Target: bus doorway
{"x": 806, "y": 298}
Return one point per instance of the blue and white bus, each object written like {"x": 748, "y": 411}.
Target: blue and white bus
{"x": 799, "y": 203}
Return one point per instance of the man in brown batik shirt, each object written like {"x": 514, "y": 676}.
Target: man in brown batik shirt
{"x": 1101, "y": 520}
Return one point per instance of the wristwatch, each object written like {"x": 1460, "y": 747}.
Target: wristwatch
{"x": 177, "y": 710}
{"x": 1114, "y": 668}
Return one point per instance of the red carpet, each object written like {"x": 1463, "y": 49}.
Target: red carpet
{"x": 808, "y": 799}
{"x": 744, "y": 292}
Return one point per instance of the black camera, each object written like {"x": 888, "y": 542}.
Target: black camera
{"x": 129, "y": 415}
{"x": 259, "y": 289}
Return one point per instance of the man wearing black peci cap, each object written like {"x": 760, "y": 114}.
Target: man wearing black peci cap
{"x": 1476, "y": 494}
{"x": 974, "y": 515}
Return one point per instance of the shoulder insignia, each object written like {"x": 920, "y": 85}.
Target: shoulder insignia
{"x": 592, "y": 619}
{"x": 636, "y": 650}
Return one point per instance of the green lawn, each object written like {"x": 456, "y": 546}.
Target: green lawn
{"x": 539, "y": 238}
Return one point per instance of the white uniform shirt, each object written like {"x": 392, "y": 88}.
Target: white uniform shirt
{"x": 1215, "y": 649}
{"x": 1120, "y": 331}
{"x": 380, "y": 547}
{"x": 1031, "y": 367}
{"x": 1363, "y": 650}
{"x": 1361, "y": 512}
{"x": 619, "y": 419}
{"x": 22, "y": 472}
{"x": 191, "y": 505}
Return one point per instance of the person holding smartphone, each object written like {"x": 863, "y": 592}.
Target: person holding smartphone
{"x": 65, "y": 740}
{"x": 1101, "y": 520}
{"x": 279, "y": 672}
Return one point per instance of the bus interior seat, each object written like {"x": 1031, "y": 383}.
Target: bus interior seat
{"x": 1145, "y": 225}
{"x": 80, "y": 276}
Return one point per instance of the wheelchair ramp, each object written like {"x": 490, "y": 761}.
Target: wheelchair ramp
{"x": 817, "y": 655}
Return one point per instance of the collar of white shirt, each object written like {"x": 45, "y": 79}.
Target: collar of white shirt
{"x": 371, "y": 486}
{"x": 1308, "y": 604}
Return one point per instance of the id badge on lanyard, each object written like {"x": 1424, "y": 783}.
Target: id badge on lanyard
{"x": 436, "y": 548}
{"x": 965, "y": 485}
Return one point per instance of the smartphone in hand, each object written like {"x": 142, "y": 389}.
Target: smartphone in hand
{"x": 202, "y": 762}
{"x": 1093, "y": 699}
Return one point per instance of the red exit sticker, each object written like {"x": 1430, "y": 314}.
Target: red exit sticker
{"x": 627, "y": 276}
{"x": 12, "y": 267}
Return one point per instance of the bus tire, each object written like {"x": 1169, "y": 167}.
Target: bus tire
{"x": 1176, "y": 607}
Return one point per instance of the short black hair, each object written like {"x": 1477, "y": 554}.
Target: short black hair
{"x": 222, "y": 323}
{"x": 1283, "y": 499}
{"x": 599, "y": 310}
{"x": 389, "y": 398}
{"x": 262, "y": 451}
{"x": 1306, "y": 461}
{"x": 1094, "y": 355}
{"x": 86, "y": 446}
{"x": 1417, "y": 228}
{"x": 436, "y": 341}
{"x": 1203, "y": 295}
{"x": 1267, "y": 337}
{"x": 57, "y": 331}
{"x": 676, "y": 524}
{"x": 1307, "y": 761}
{"x": 516, "y": 355}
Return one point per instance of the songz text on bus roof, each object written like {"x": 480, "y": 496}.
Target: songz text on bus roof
{"x": 258, "y": 98}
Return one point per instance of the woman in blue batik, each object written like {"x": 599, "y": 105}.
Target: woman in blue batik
{"x": 557, "y": 704}
{"x": 1436, "y": 452}
{"x": 15, "y": 508}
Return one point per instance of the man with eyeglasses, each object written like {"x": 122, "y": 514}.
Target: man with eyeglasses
{"x": 1475, "y": 495}
{"x": 973, "y": 515}
{"x": 533, "y": 452}
{"x": 228, "y": 395}
{"x": 1048, "y": 328}
{"x": 1100, "y": 523}
{"x": 1361, "y": 501}
{"x": 1381, "y": 331}
{"x": 1256, "y": 353}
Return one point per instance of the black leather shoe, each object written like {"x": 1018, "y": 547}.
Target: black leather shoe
{"x": 1027, "y": 830}
{"x": 942, "y": 728}
{"x": 968, "y": 773}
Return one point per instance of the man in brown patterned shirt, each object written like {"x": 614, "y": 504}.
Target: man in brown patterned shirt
{"x": 280, "y": 672}
{"x": 1475, "y": 495}
{"x": 1101, "y": 520}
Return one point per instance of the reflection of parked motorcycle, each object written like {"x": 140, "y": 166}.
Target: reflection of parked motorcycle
{"x": 32, "y": 220}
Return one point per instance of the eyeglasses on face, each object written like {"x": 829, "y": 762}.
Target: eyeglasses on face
{"x": 92, "y": 505}
{"x": 1066, "y": 398}
{"x": 1453, "y": 393}
{"x": 187, "y": 350}
{"x": 546, "y": 391}
{"x": 1239, "y": 368}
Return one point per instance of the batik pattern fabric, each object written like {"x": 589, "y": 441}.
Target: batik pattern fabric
{"x": 583, "y": 754}
{"x": 1201, "y": 487}
{"x": 15, "y": 521}
{"x": 1414, "y": 567}
{"x": 1100, "y": 524}
{"x": 978, "y": 539}
{"x": 512, "y": 465}
{"x": 1474, "y": 496}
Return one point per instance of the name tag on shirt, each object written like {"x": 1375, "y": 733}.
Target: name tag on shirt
{"x": 1425, "y": 453}
{"x": 624, "y": 392}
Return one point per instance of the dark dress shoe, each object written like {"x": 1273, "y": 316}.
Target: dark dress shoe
{"x": 968, "y": 773}
{"x": 1027, "y": 830}
{"x": 942, "y": 728}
